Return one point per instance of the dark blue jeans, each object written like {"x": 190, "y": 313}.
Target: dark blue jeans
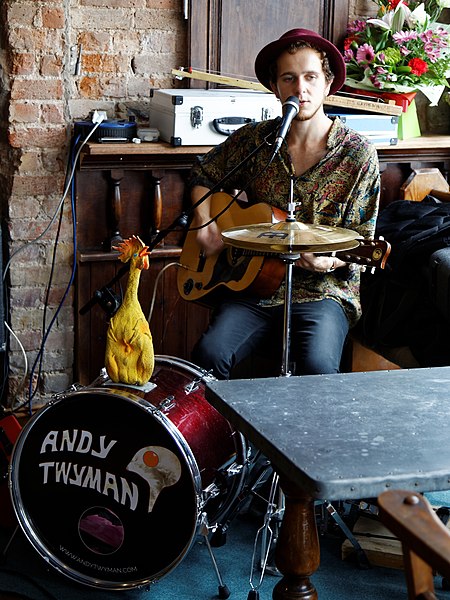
{"x": 241, "y": 327}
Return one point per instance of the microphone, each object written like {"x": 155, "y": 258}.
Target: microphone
{"x": 290, "y": 111}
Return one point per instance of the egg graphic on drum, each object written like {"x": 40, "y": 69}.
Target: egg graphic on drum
{"x": 159, "y": 467}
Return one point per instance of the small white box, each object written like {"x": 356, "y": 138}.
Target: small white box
{"x": 148, "y": 134}
{"x": 207, "y": 117}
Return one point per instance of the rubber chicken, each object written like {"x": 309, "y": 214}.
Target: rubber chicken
{"x": 129, "y": 354}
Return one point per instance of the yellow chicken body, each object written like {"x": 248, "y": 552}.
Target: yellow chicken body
{"x": 129, "y": 356}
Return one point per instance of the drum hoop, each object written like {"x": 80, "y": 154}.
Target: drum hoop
{"x": 45, "y": 549}
{"x": 190, "y": 366}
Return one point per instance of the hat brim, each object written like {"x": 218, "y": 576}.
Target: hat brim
{"x": 273, "y": 50}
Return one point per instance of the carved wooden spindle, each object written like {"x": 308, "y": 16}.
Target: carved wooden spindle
{"x": 116, "y": 207}
{"x": 157, "y": 206}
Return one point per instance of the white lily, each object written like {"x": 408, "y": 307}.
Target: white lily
{"x": 418, "y": 15}
{"x": 394, "y": 19}
{"x": 384, "y": 23}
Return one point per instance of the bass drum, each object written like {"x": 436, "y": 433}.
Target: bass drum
{"x": 111, "y": 483}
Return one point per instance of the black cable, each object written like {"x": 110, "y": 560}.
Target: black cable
{"x": 46, "y": 332}
{"x": 236, "y": 196}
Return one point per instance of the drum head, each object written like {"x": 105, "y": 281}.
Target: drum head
{"x": 105, "y": 489}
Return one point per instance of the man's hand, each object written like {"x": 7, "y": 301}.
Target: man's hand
{"x": 318, "y": 263}
{"x": 209, "y": 239}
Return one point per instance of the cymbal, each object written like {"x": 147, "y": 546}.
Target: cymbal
{"x": 290, "y": 236}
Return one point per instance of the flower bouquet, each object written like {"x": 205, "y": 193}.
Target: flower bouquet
{"x": 401, "y": 51}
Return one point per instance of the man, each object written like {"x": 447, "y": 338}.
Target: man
{"x": 335, "y": 178}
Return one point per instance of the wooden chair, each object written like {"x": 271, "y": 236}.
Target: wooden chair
{"x": 419, "y": 184}
{"x": 425, "y": 540}
{"x": 425, "y": 181}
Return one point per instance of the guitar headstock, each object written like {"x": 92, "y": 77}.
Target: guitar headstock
{"x": 369, "y": 253}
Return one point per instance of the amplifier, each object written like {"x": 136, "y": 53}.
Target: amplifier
{"x": 107, "y": 131}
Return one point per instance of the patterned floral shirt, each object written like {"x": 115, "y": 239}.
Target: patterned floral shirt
{"x": 341, "y": 190}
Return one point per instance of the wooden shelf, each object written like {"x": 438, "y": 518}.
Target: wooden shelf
{"x": 154, "y": 148}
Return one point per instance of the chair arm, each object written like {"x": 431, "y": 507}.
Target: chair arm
{"x": 410, "y": 517}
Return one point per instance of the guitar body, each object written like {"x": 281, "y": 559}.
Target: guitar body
{"x": 233, "y": 268}
{"x": 237, "y": 269}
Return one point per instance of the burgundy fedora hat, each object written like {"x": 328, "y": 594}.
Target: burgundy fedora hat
{"x": 273, "y": 50}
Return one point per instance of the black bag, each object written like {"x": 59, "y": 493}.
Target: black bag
{"x": 399, "y": 308}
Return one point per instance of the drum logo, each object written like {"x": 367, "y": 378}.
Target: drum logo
{"x": 157, "y": 465}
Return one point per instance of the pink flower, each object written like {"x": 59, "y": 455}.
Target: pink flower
{"x": 432, "y": 53}
{"x": 356, "y": 26}
{"x": 348, "y": 55}
{"x": 403, "y": 37}
{"x": 365, "y": 54}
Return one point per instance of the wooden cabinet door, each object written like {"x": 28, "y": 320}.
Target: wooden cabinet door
{"x": 226, "y": 35}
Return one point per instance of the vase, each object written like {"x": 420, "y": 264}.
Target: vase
{"x": 408, "y": 122}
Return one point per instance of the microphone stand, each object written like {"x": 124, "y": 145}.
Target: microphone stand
{"x": 105, "y": 297}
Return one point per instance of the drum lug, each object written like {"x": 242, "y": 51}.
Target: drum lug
{"x": 167, "y": 403}
{"x": 212, "y": 491}
{"x": 192, "y": 387}
{"x": 195, "y": 384}
{"x": 75, "y": 387}
{"x": 234, "y": 469}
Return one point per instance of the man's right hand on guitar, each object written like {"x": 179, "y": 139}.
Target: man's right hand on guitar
{"x": 209, "y": 239}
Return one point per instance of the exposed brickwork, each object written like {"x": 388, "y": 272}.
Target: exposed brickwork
{"x": 128, "y": 46}
{"x": 42, "y": 40}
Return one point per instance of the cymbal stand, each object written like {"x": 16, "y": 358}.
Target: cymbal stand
{"x": 289, "y": 259}
{"x": 275, "y": 510}
{"x": 263, "y": 542}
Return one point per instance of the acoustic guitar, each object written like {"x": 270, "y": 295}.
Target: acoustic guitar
{"x": 238, "y": 269}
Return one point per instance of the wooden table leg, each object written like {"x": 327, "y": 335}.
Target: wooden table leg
{"x": 297, "y": 554}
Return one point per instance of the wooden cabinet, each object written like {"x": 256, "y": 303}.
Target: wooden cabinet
{"x": 140, "y": 189}
{"x": 123, "y": 190}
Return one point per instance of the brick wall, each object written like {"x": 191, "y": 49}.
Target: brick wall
{"x": 127, "y": 47}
